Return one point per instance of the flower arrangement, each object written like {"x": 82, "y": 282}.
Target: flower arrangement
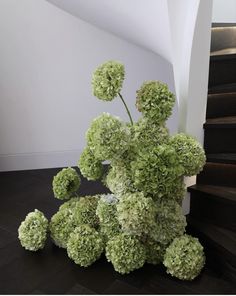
{"x": 141, "y": 219}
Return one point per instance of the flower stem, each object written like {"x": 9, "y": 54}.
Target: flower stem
{"x": 127, "y": 109}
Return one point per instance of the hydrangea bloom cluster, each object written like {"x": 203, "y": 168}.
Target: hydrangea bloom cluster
{"x": 184, "y": 258}
{"x": 141, "y": 219}
{"x": 126, "y": 253}
{"x": 107, "y": 80}
{"x": 85, "y": 245}
{"x": 65, "y": 183}
{"x": 32, "y": 232}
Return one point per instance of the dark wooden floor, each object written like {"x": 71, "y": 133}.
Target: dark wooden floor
{"x": 50, "y": 271}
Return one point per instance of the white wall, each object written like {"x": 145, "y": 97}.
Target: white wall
{"x": 143, "y": 22}
{"x": 190, "y": 27}
{"x": 224, "y": 11}
{"x": 46, "y": 60}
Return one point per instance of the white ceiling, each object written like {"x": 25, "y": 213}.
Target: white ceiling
{"x": 143, "y": 22}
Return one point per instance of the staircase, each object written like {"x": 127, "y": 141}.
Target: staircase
{"x": 213, "y": 199}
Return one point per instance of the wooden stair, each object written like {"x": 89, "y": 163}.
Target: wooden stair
{"x": 212, "y": 215}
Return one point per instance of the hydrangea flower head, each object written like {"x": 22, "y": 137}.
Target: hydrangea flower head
{"x": 32, "y": 232}
{"x": 90, "y": 167}
{"x": 66, "y": 183}
{"x": 156, "y": 170}
{"x": 107, "y": 80}
{"x": 184, "y": 258}
{"x": 85, "y": 245}
{"x": 136, "y": 213}
{"x": 126, "y": 253}
{"x": 191, "y": 154}
{"x": 107, "y": 137}
{"x": 155, "y": 101}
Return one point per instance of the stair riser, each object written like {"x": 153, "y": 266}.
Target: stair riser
{"x": 213, "y": 210}
{"x": 222, "y": 71}
{"x": 221, "y": 106}
{"x": 220, "y": 140}
{"x": 218, "y": 174}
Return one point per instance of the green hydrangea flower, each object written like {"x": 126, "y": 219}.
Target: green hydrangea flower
{"x": 147, "y": 133}
{"x": 107, "y": 214}
{"x": 154, "y": 252}
{"x": 89, "y": 166}
{"x": 118, "y": 180}
{"x": 85, "y": 245}
{"x": 85, "y": 212}
{"x": 107, "y": 137}
{"x": 126, "y": 253}
{"x": 155, "y": 171}
{"x": 177, "y": 194}
{"x": 107, "y": 80}
{"x": 70, "y": 204}
{"x": 184, "y": 258}
{"x": 66, "y": 183}
{"x": 170, "y": 222}
{"x": 61, "y": 226}
{"x": 190, "y": 152}
{"x": 32, "y": 232}
{"x": 155, "y": 101}
{"x": 136, "y": 213}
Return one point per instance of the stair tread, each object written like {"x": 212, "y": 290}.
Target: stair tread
{"x": 225, "y": 122}
{"x": 225, "y": 95}
{"x": 222, "y": 54}
{"x": 221, "y": 238}
{"x": 228, "y": 193}
{"x": 224, "y": 51}
{"x": 222, "y": 120}
{"x": 222, "y": 157}
{"x": 222, "y": 88}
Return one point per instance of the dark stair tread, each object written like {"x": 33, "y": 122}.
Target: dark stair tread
{"x": 222, "y": 122}
{"x": 222, "y": 239}
{"x": 224, "y": 192}
{"x": 222, "y": 96}
{"x": 221, "y": 57}
{"x": 229, "y": 158}
{"x": 223, "y": 88}
{"x": 224, "y": 51}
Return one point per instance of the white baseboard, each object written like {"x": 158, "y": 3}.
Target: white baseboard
{"x": 29, "y": 161}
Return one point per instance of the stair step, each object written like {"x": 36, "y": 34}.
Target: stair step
{"x": 223, "y": 36}
{"x": 222, "y": 69}
{"x": 217, "y": 240}
{"x": 222, "y": 88}
{"x": 220, "y": 135}
{"x": 221, "y": 104}
{"x": 222, "y": 158}
{"x": 215, "y": 204}
{"x": 218, "y": 174}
